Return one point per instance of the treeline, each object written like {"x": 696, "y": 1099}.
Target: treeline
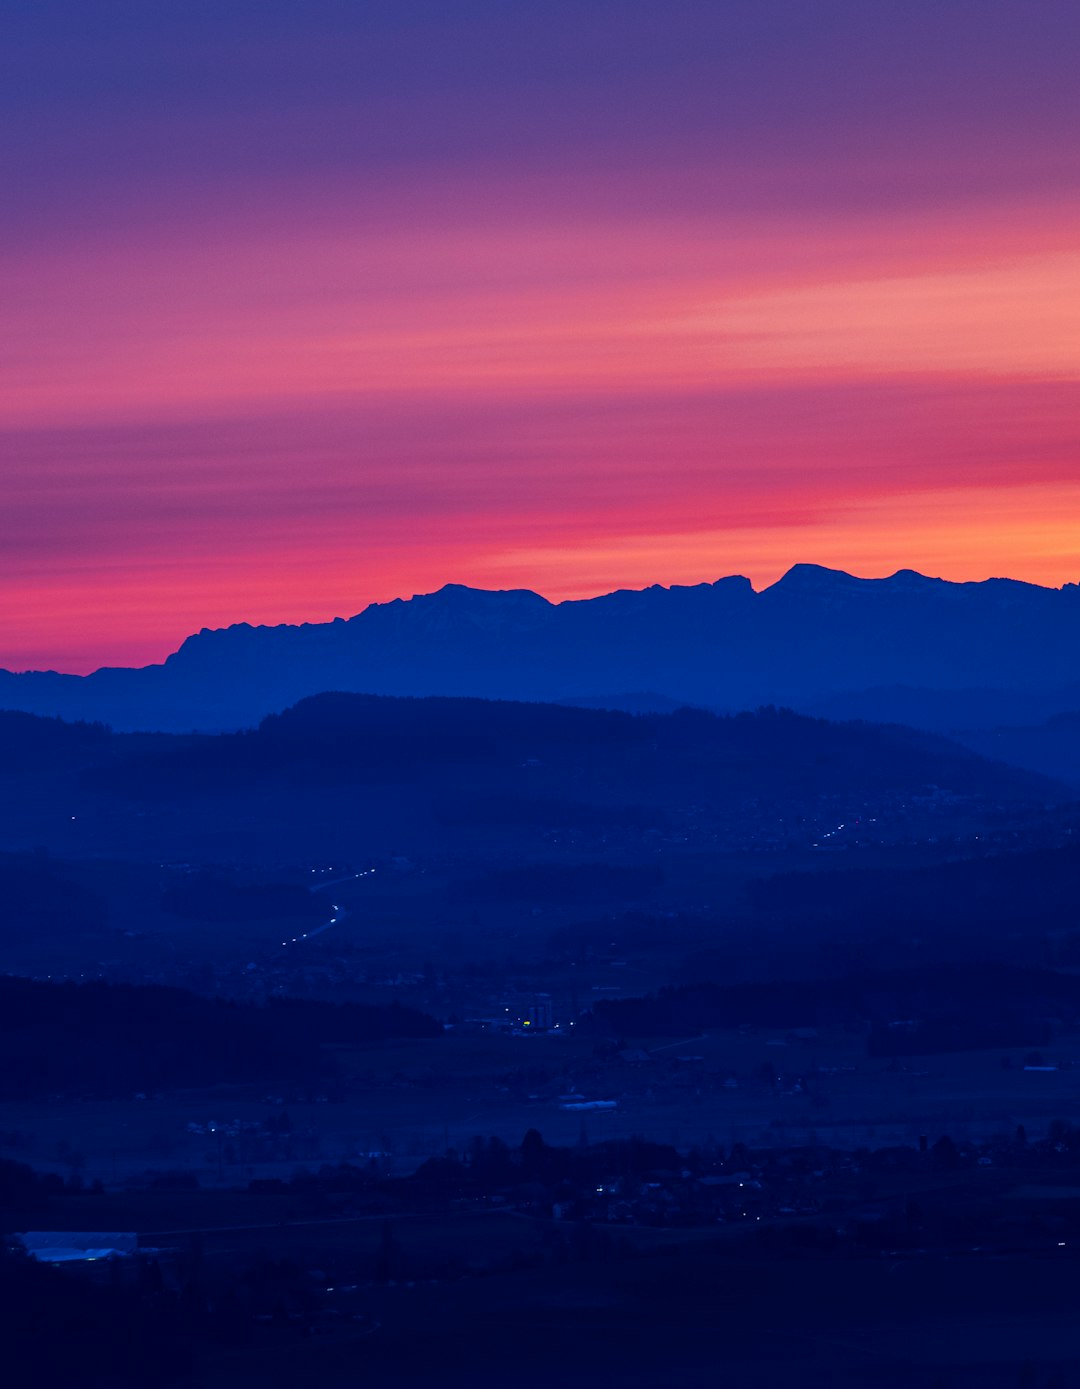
{"x": 975, "y": 897}
{"x": 490, "y": 1163}
{"x": 351, "y": 739}
{"x": 347, "y": 739}
{"x": 1014, "y": 908}
{"x": 37, "y": 898}
{"x": 22, "y": 1189}
{"x": 30, "y": 742}
{"x": 954, "y": 1007}
{"x": 119, "y": 1039}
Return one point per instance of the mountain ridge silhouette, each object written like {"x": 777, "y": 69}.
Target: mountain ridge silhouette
{"x": 817, "y": 639}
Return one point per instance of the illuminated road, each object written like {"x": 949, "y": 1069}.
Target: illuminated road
{"x": 339, "y": 912}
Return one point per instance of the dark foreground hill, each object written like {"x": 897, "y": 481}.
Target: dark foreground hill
{"x": 120, "y": 846}
{"x": 148, "y": 855}
{"x": 954, "y": 1007}
{"x": 520, "y": 754}
{"x": 946, "y": 655}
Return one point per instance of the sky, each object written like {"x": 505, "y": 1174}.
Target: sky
{"x": 307, "y": 305}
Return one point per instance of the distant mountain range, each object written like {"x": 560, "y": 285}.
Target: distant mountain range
{"x": 912, "y": 649}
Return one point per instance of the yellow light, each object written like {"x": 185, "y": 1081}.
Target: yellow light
{"x": 526, "y": 1022}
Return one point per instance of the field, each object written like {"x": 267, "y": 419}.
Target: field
{"x": 407, "y": 1100}
{"x": 676, "y": 1318}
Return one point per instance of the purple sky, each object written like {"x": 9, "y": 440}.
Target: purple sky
{"x": 313, "y": 304}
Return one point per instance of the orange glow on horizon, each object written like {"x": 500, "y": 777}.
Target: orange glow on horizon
{"x": 287, "y": 421}
{"x": 933, "y": 533}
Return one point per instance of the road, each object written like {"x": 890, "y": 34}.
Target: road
{"x": 339, "y": 912}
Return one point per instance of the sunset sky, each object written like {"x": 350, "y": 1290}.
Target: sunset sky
{"x": 312, "y": 304}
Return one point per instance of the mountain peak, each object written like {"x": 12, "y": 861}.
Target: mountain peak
{"x": 457, "y": 606}
{"x": 464, "y": 596}
{"x": 911, "y": 578}
{"x": 814, "y": 578}
{"x": 817, "y": 579}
